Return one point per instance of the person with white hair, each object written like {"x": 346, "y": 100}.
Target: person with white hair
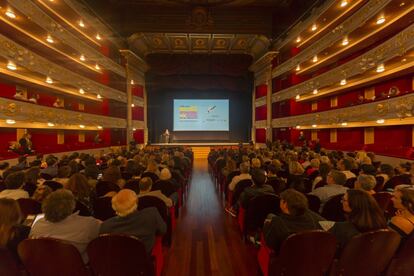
{"x": 366, "y": 183}
{"x": 144, "y": 224}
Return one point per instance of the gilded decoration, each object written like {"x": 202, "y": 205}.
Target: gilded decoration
{"x": 400, "y": 107}
{"x": 39, "y": 17}
{"x": 260, "y": 101}
{"x": 396, "y": 46}
{"x": 200, "y": 19}
{"x": 372, "y": 8}
{"x": 28, "y": 112}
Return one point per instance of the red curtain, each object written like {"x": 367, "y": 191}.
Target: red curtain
{"x": 260, "y": 135}
{"x": 261, "y": 91}
{"x": 261, "y": 113}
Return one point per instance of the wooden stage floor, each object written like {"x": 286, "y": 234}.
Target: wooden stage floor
{"x": 207, "y": 240}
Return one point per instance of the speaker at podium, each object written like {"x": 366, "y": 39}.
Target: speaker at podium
{"x": 165, "y": 137}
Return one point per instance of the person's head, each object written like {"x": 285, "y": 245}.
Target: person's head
{"x": 272, "y": 170}
{"x": 244, "y": 167}
{"x": 165, "y": 174}
{"x": 404, "y": 167}
{"x": 315, "y": 163}
{"x": 403, "y": 199}
{"x": 15, "y": 180}
{"x": 22, "y": 159}
{"x": 336, "y": 177}
{"x": 365, "y": 182}
{"x": 10, "y": 215}
{"x": 4, "y": 166}
{"x": 112, "y": 174}
{"x": 125, "y": 202}
{"x": 58, "y": 205}
{"x": 41, "y": 192}
{"x": 145, "y": 184}
{"x": 295, "y": 168}
{"x": 325, "y": 160}
{"x": 277, "y": 164}
{"x": 78, "y": 184}
{"x": 259, "y": 177}
{"x": 368, "y": 169}
{"x": 293, "y": 202}
{"x": 256, "y": 163}
{"x": 387, "y": 169}
{"x": 64, "y": 172}
{"x": 32, "y": 175}
{"x": 50, "y": 161}
{"x": 363, "y": 211}
{"x": 231, "y": 165}
{"x": 324, "y": 170}
{"x": 344, "y": 164}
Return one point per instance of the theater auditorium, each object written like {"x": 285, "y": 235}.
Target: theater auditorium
{"x": 206, "y": 137}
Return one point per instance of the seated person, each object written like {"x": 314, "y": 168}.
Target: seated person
{"x": 34, "y": 98}
{"x": 366, "y": 183}
{"x": 258, "y": 188}
{"x": 273, "y": 180}
{"x": 295, "y": 217}
{"x": 58, "y": 103}
{"x": 363, "y": 215}
{"x": 345, "y": 166}
{"x": 14, "y": 183}
{"x": 244, "y": 174}
{"x": 335, "y": 186}
{"x": 51, "y": 167}
{"x": 144, "y": 224}
{"x": 20, "y": 95}
{"x": 11, "y": 231}
{"x": 145, "y": 185}
{"x": 61, "y": 223}
{"x": 403, "y": 221}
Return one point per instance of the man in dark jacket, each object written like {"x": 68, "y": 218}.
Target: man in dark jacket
{"x": 258, "y": 188}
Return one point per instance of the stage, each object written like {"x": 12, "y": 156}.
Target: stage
{"x": 192, "y": 144}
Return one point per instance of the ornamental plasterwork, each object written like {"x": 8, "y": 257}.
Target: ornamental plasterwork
{"x": 10, "y": 50}
{"x": 260, "y": 124}
{"x": 394, "y": 108}
{"x": 260, "y": 101}
{"x": 350, "y": 24}
{"x": 33, "y": 113}
{"x": 52, "y": 27}
{"x": 171, "y": 43}
{"x": 102, "y": 29}
{"x": 137, "y": 101}
{"x": 138, "y": 124}
{"x": 301, "y": 26}
{"x": 396, "y": 46}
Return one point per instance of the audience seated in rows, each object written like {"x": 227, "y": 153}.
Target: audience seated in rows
{"x": 258, "y": 188}
{"x": 244, "y": 174}
{"x": 403, "y": 221}
{"x": 14, "y": 183}
{"x": 145, "y": 185}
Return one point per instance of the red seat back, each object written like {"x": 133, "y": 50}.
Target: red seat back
{"x": 8, "y": 265}
{"x": 113, "y": 255}
{"x": 50, "y": 257}
{"x": 29, "y": 206}
{"x": 298, "y": 257}
{"x": 367, "y": 254}
{"x": 403, "y": 263}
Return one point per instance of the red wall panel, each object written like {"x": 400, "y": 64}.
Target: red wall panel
{"x": 138, "y": 90}
{"x": 7, "y": 91}
{"x": 404, "y": 84}
{"x": 261, "y": 91}
{"x": 139, "y": 136}
{"x": 138, "y": 113}
{"x": 260, "y": 135}
{"x": 261, "y": 113}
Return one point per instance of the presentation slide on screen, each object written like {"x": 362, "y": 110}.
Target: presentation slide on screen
{"x": 201, "y": 115}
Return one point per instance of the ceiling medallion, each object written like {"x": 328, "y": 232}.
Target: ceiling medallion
{"x": 200, "y": 19}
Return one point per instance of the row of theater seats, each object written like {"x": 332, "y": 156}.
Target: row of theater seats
{"x": 109, "y": 254}
{"x": 313, "y": 252}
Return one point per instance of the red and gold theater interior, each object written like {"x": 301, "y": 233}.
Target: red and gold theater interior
{"x": 285, "y": 81}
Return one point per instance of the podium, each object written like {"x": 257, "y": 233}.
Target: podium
{"x": 165, "y": 138}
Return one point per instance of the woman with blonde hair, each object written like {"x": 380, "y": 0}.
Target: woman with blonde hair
{"x": 11, "y": 232}
{"x": 296, "y": 177}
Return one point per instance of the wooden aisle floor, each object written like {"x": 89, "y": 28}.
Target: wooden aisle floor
{"x": 206, "y": 240}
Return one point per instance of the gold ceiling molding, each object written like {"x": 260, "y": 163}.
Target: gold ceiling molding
{"x": 303, "y": 25}
{"x": 396, "y": 46}
{"x": 10, "y": 50}
{"x": 262, "y": 68}
{"x": 350, "y": 24}
{"x": 397, "y": 109}
{"x": 61, "y": 118}
{"x": 38, "y": 16}
{"x": 260, "y": 101}
{"x": 136, "y": 66}
{"x": 173, "y": 43}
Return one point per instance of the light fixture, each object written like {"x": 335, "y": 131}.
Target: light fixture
{"x": 50, "y": 124}
{"x": 99, "y": 127}
{"x": 404, "y": 60}
{"x": 345, "y": 41}
{"x": 315, "y": 91}
{"x": 380, "y": 121}
{"x": 82, "y": 57}
{"x": 97, "y": 67}
{"x": 10, "y": 121}
{"x": 49, "y": 39}
{"x": 314, "y": 125}
{"x": 98, "y": 37}
{"x": 343, "y": 82}
{"x": 380, "y": 20}
{"x": 81, "y": 23}
{"x": 81, "y": 126}
{"x": 49, "y": 80}
{"x": 380, "y": 68}
{"x": 11, "y": 65}
{"x": 315, "y": 58}
{"x": 314, "y": 27}
{"x": 344, "y": 3}
{"x": 344, "y": 124}
{"x": 298, "y": 127}
{"x": 10, "y": 13}
{"x": 298, "y": 67}
{"x": 81, "y": 91}
{"x": 134, "y": 129}
{"x": 132, "y": 105}
{"x": 297, "y": 97}
{"x": 298, "y": 39}
{"x": 402, "y": 4}
{"x": 99, "y": 96}
{"x": 132, "y": 82}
